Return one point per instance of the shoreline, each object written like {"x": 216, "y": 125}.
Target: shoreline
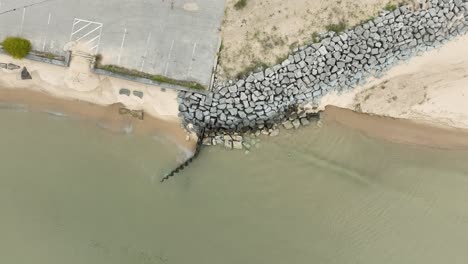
{"x": 398, "y": 130}
{"x": 106, "y": 117}
{"x": 83, "y": 94}
{"x": 78, "y": 82}
{"x": 264, "y": 99}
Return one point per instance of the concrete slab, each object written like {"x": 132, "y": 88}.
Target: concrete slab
{"x": 177, "y": 38}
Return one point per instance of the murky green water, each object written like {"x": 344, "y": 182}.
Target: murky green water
{"x": 73, "y": 193}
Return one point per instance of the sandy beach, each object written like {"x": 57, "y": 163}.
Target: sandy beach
{"x": 79, "y": 83}
{"x": 107, "y": 117}
{"x": 78, "y": 92}
{"x": 430, "y": 89}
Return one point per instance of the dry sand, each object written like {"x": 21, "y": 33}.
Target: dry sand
{"x": 432, "y": 88}
{"x": 78, "y": 82}
{"x": 78, "y": 92}
{"x": 265, "y": 30}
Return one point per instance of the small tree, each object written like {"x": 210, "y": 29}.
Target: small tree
{"x": 18, "y": 48}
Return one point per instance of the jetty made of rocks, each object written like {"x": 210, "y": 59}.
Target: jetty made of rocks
{"x": 338, "y": 62}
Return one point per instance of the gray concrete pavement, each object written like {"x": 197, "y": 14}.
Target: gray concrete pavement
{"x": 178, "y": 38}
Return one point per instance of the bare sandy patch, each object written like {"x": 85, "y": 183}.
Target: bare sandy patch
{"x": 264, "y": 31}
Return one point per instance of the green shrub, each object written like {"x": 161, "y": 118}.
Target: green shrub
{"x": 240, "y": 4}
{"x": 390, "y": 7}
{"x": 18, "y": 48}
{"x": 337, "y": 28}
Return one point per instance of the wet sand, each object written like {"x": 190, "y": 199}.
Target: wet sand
{"x": 107, "y": 117}
{"x": 399, "y": 130}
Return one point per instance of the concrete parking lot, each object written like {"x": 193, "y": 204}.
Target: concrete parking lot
{"x": 175, "y": 38}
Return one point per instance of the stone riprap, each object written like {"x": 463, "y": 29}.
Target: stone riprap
{"x": 338, "y": 62}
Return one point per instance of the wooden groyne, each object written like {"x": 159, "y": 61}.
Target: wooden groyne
{"x": 182, "y": 166}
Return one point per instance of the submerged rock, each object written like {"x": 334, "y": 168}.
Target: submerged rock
{"x": 288, "y": 125}
{"x": 237, "y": 145}
{"x": 275, "y": 132}
{"x": 228, "y": 144}
{"x": 296, "y": 123}
{"x": 305, "y": 122}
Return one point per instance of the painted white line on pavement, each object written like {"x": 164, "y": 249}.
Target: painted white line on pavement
{"x": 168, "y": 58}
{"x": 46, "y": 32}
{"x": 146, "y": 51}
{"x": 22, "y": 20}
{"x": 121, "y": 46}
{"x": 92, "y": 40}
{"x": 191, "y": 59}
{"x": 73, "y": 33}
{"x": 155, "y": 58}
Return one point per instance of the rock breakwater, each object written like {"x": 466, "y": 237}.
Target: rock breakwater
{"x": 338, "y": 62}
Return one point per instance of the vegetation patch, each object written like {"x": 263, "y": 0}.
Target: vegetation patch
{"x": 256, "y": 66}
{"x": 154, "y": 77}
{"x": 337, "y": 28}
{"x": 47, "y": 55}
{"x": 280, "y": 59}
{"x": 240, "y": 4}
{"x": 18, "y": 48}
{"x": 315, "y": 37}
{"x": 293, "y": 45}
{"x": 371, "y": 18}
{"x": 390, "y": 7}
